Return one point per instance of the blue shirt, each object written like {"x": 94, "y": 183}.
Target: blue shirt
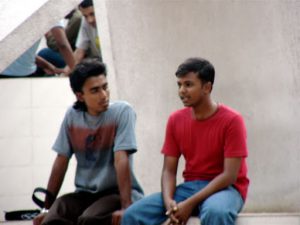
{"x": 25, "y": 64}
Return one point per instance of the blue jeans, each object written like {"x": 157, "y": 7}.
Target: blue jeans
{"x": 53, "y": 57}
{"x": 220, "y": 208}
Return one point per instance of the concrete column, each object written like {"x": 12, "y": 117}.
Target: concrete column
{"x": 255, "y": 48}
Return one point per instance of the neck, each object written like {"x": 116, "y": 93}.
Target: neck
{"x": 93, "y": 113}
{"x": 205, "y": 110}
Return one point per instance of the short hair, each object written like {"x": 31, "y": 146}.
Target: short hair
{"x": 87, "y": 68}
{"x": 202, "y": 67}
{"x": 86, "y": 3}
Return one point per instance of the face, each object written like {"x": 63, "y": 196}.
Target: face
{"x": 191, "y": 90}
{"x": 89, "y": 15}
{"x": 95, "y": 94}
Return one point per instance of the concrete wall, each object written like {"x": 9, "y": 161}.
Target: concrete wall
{"x": 30, "y": 109}
{"x": 254, "y": 46}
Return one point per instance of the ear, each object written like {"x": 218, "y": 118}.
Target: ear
{"x": 79, "y": 96}
{"x": 208, "y": 87}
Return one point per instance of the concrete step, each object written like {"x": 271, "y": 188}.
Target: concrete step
{"x": 243, "y": 219}
{"x": 262, "y": 219}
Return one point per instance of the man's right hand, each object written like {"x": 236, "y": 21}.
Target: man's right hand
{"x": 39, "y": 219}
{"x": 172, "y": 208}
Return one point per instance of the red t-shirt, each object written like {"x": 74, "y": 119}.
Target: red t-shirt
{"x": 205, "y": 143}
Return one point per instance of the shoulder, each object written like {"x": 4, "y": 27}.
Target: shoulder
{"x": 120, "y": 106}
{"x": 85, "y": 25}
{"x": 181, "y": 113}
{"x": 72, "y": 113}
{"x": 228, "y": 111}
{"x": 230, "y": 115}
{"x": 60, "y": 24}
{"x": 120, "y": 112}
{"x": 179, "y": 116}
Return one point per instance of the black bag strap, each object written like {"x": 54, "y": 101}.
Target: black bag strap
{"x": 38, "y": 201}
{"x": 22, "y": 214}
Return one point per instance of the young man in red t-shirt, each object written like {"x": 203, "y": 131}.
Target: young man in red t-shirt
{"x": 212, "y": 139}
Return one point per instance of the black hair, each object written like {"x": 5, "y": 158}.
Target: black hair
{"x": 86, "y": 3}
{"x": 87, "y": 68}
{"x": 202, "y": 67}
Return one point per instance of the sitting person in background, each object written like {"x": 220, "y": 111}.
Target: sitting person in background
{"x": 88, "y": 43}
{"x": 26, "y": 65}
{"x": 56, "y": 44}
{"x": 72, "y": 28}
{"x": 31, "y": 65}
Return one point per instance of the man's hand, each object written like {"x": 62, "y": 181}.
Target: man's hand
{"x": 182, "y": 212}
{"x": 39, "y": 219}
{"x": 66, "y": 71}
{"x": 179, "y": 213}
{"x": 117, "y": 217}
{"x": 172, "y": 208}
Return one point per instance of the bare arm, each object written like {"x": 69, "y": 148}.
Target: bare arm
{"x": 58, "y": 172}
{"x": 223, "y": 180}
{"x": 122, "y": 167}
{"x": 168, "y": 185}
{"x": 168, "y": 180}
{"x": 79, "y": 55}
{"x": 123, "y": 177}
{"x": 45, "y": 65}
{"x": 64, "y": 46}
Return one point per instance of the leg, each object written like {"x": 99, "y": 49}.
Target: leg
{"x": 187, "y": 189}
{"x": 66, "y": 209}
{"x": 147, "y": 211}
{"x": 221, "y": 208}
{"x": 151, "y": 210}
{"x": 53, "y": 57}
{"x": 100, "y": 211}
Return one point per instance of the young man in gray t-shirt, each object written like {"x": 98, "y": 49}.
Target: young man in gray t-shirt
{"x": 101, "y": 136}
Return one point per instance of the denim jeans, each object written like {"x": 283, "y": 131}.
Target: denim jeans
{"x": 53, "y": 57}
{"x": 220, "y": 208}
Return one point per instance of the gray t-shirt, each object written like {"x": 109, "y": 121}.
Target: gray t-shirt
{"x": 93, "y": 140}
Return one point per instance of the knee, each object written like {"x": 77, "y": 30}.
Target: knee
{"x": 89, "y": 220}
{"x": 44, "y": 52}
{"x": 58, "y": 204}
{"x": 82, "y": 220}
{"x": 217, "y": 215}
{"x": 129, "y": 215}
